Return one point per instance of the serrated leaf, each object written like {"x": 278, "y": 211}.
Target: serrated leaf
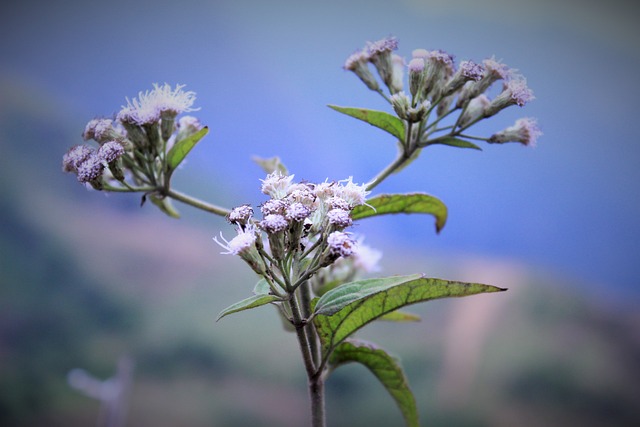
{"x": 344, "y": 310}
{"x": 379, "y": 119}
{"x": 400, "y": 316}
{"x": 403, "y": 203}
{"x": 386, "y": 368}
{"x": 454, "y": 142}
{"x": 248, "y": 303}
{"x": 181, "y": 148}
{"x": 271, "y": 164}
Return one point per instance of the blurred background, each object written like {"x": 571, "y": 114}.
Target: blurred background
{"x": 87, "y": 278}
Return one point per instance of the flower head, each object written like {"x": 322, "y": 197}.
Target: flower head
{"x": 274, "y": 223}
{"x": 524, "y": 131}
{"x": 110, "y": 151}
{"x": 240, "y": 215}
{"x": 352, "y": 193}
{"x": 340, "y": 244}
{"x": 514, "y": 92}
{"x": 276, "y": 185}
{"x": 379, "y": 53}
{"x": 242, "y": 243}
{"x": 339, "y": 218}
{"x": 382, "y": 46}
{"x": 357, "y": 62}
{"x": 91, "y": 168}
{"x": 297, "y": 212}
{"x": 76, "y": 155}
{"x": 150, "y": 105}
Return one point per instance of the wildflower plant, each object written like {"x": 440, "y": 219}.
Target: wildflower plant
{"x": 311, "y": 267}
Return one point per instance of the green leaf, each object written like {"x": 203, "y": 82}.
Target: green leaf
{"x": 400, "y": 316}
{"x": 179, "y": 151}
{"x": 263, "y": 288}
{"x": 271, "y": 164}
{"x": 379, "y": 119}
{"x": 403, "y": 203}
{"x": 454, "y": 142}
{"x": 344, "y": 310}
{"x": 386, "y": 368}
{"x": 165, "y": 205}
{"x": 248, "y": 303}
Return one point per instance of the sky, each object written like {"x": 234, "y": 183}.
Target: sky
{"x": 264, "y": 73}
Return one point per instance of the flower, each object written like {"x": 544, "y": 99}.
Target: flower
{"x": 379, "y": 53}
{"x": 514, "y": 92}
{"x": 240, "y": 215}
{"x": 353, "y": 194}
{"x": 150, "y": 105}
{"x": 340, "y": 244}
{"x": 467, "y": 71}
{"x": 110, "y": 151}
{"x": 357, "y": 62}
{"x": 339, "y": 218}
{"x": 274, "y": 223}
{"x": 75, "y": 157}
{"x": 241, "y": 244}
{"x": 276, "y": 185}
{"x": 297, "y": 212}
{"x": 382, "y": 46}
{"x": 273, "y": 206}
{"x": 474, "y": 110}
{"x": 494, "y": 71}
{"x": 91, "y": 168}
{"x": 101, "y": 130}
{"x": 416, "y": 67}
{"x": 397, "y": 73}
{"x": 524, "y": 131}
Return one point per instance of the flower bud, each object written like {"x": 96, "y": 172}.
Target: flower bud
{"x": 514, "y": 92}
{"x": 240, "y": 215}
{"x": 397, "y": 74}
{"x": 524, "y": 131}
{"x": 416, "y": 69}
{"x": 110, "y": 152}
{"x": 400, "y": 103}
{"x": 379, "y": 53}
{"x": 357, "y": 63}
{"x": 474, "y": 110}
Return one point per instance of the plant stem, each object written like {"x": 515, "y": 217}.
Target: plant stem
{"x": 197, "y": 203}
{"x": 316, "y": 392}
{"x": 315, "y": 379}
{"x": 402, "y": 157}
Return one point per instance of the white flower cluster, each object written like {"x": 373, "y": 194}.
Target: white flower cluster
{"x": 144, "y": 129}
{"x": 299, "y": 217}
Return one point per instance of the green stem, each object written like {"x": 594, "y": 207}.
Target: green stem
{"x": 399, "y": 161}
{"x": 315, "y": 379}
{"x": 197, "y": 203}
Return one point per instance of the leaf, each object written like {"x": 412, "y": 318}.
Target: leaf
{"x": 386, "y": 368}
{"x": 165, "y": 205}
{"x": 345, "y": 309}
{"x": 263, "y": 288}
{"x": 271, "y": 164}
{"x": 403, "y": 203}
{"x": 181, "y": 148}
{"x": 453, "y": 142}
{"x": 248, "y": 303}
{"x": 400, "y": 316}
{"x": 379, "y": 119}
